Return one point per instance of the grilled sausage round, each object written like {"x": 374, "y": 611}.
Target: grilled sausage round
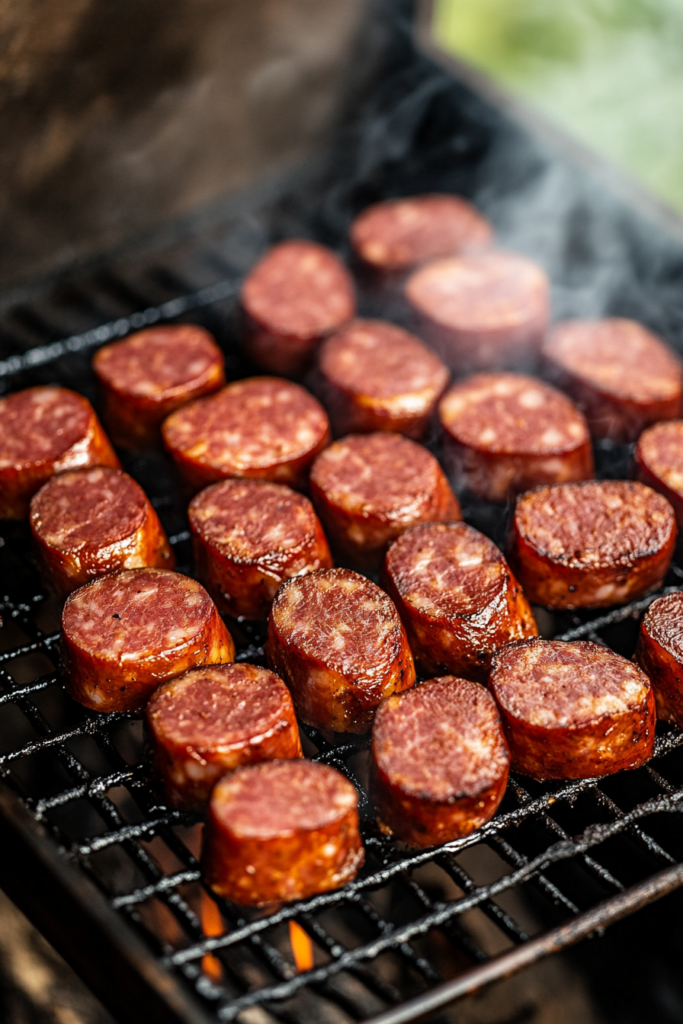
{"x": 591, "y": 545}
{"x": 125, "y": 633}
{"x": 259, "y": 427}
{"x": 369, "y": 488}
{"x": 659, "y": 462}
{"x": 89, "y": 522}
{"x": 298, "y": 293}
{"x": 43, "y": 431}
{"x": 572, "y": 710}
{"x": 456, "y": 596}
{"x": 149, "y": 374}
{"x": 505, "y": 433}
{"x": 440, "y": 763}
{"x": 214, "y": 719}
{"x": 373, "y": 375}
{"x": 249, "y": 537}
{"x": 482, "y": 312}
{"x": 337, "y": 641}
{"x": 660, "y": 654}
{"x": 281, "y": 831}
{"x": 622, "y": 376}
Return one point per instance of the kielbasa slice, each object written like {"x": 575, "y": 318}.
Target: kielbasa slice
{"x": 457, "y": 598}
{"x": 369, "y": 488}
{"x": 622, "y": 376}
{"x": 258, "y": 427}
{"x": 338, "y": 642}
{"x": 214, "y": 719}
{"x": 660, "y": 654}
{"x": 89, "y": 522}
{"x": 440, "y": 763}
{"x": 125, "y": 633}
{"x": 487, "y": 311}
{"x": 373, "y": 375}
{"x": 281, "y": 831}
{"x": 572, "y": 710}
{"x": 591, "y": 545}
{"x": 44, "y": 431}
{"x": 505, "y": 433}
{"x": 250, "y": 536}
{"x": 659, "y": 462}
{"x": 149, "y": 374}
{"x": 298, "y": 293}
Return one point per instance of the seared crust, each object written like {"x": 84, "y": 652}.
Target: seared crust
{"x": 591, "y": 545}
{"x": 660, "y": 654}
{"x": 249, "y": 536}
{"x": 659, "y": 462}
{"x": 44, "y": 431}
{"x": 281, "y": 831}
{"x": 440, "y": 762}
{"x": 339, "y": 644}
{"x": 124, "y": 634}
{"x": 212, "y": 720}
{"x": 506, "y": 432}
{"x": 457, "y": 598}
{"x": 572, "y": 710}
{"x": 369, "y": 488}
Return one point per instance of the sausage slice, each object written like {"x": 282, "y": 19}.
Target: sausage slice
{"x": 440, "y": 762}
{"x": 660, "y": 654}
{"x": 659, "y": 462}
{"x": 505, "y": 433}
{"x": 622, "y": 376}
{"x": 89, "y": 522}
{"x": 487, "y": 311}
{"x": 259, "y": 427}
{"x": 456, "y": 596}
{"x": 337, "y": 641}
{"x": 369, "y": 488}
{"x": 149, "y": 374}
{"x": 43, "y": 431}
{"x": 250, "y": 536}
{"x": 572, "y": 710}
{"x": 591, "y": 545}
{"x": 212, "y": 720}
{"x": 295, "y": 295}
{"x": 281, "y": 831}
{"x": 125, "y": 633}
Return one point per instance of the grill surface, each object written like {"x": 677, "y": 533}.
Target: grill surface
{"x": 117, "y": 873}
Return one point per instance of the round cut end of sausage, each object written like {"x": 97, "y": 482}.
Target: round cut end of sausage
{"x": 660, "y": 654}
{"x": 659, "y": 462}
{"x": 40, "y": 424}
{"x": 398, "y": 234}
{"x": 572, "y": 710}
{"x": 440, "y": 761}
{"x": 664, "y": 622}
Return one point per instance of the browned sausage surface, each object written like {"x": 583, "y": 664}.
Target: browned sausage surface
{"x": 338, "y": 642}
{"x": 456, "y": 596}
{"x": 591, "y": 545}
{"x": 440, "y": 763}
{"x": 43, "y": 431}
{"x": 659, "y": 462}
{"x": 146, "y": 376}
{"x": 621, "y": 375}
{"x": 89, "y": 522}
{"x": 295, "y": 295}
{"x": 212, "y": 720}
{"x": 660, "y": 654}
{"x": 481, "y": 312}
{"x": 281, "y": 831}
{"x": 259, "y": 427}
{"x": 373, "y": 375}
{"x": 572, "y": 710}
{"x": 369, "y": 488}
{"x": 505, "y": 433}
{"x": 250, "y": 536}
{"x": 125, "y": 633}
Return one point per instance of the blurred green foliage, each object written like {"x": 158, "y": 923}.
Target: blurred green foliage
{"x": 611, "y": 71}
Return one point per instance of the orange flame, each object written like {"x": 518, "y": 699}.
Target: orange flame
{"x": 302, "y": 947}
{"x": 212, "y": 924}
